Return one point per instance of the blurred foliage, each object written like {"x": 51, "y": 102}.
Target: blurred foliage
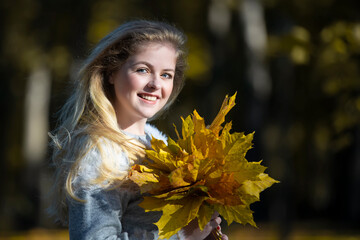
{"x": 307, "y": 126}
{"x": 266, "y": 232}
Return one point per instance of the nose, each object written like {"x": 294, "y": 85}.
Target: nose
{"x": 154, "y": 83}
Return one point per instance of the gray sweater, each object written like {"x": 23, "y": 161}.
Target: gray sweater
{"x": 111, "y": 214}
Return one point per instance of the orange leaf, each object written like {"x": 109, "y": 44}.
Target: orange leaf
{"x": 225, "y": 191}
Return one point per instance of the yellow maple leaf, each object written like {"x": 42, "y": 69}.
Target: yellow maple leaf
{"x": 226, "y": 106}
{"x": 204, "y": 171}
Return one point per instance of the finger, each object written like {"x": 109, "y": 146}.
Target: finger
{"x": 211, "y": 225}
{"x": 218, "y": 220}
{"x": 224, "y": 237}
{"x": 215, "y": 222}
{"x": 215, "y": 214}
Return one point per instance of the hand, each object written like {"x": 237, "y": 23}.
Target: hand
{"x": 193, "y": 232}
{"x": 212, "y": 235}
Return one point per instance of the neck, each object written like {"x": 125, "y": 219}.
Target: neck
{"x": 129, "y": 123}
{"x": 137, "y": 128}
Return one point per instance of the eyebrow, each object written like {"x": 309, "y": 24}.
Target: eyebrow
{"x": 150, "y": 65}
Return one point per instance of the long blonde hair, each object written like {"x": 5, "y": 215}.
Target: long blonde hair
{"x": 88, "y": 117}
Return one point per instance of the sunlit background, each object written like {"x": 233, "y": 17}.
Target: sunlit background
{"x": 294, "y": 63}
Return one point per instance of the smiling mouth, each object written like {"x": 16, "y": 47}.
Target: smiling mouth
{"x": 147, "y": 97}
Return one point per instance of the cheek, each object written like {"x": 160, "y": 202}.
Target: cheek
{"x": 168, "y": 89}
{"x": 134, "y": 83}
{"x": 126, "y": 85}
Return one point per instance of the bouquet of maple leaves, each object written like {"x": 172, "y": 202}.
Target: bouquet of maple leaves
{"x": 204, "y": 171}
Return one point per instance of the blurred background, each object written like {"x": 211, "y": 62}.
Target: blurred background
{"x": 295, "y": 65}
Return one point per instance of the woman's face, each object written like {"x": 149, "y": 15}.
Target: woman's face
{"x": 144, "y": 82}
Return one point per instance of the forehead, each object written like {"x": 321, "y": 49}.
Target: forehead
{"x": 153, "y": 45}
{"x": 155, "y": 51}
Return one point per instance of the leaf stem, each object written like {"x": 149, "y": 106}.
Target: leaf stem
{"x": 216, "y": 234}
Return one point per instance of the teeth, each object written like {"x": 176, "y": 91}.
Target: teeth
{"x": 150, "y": 98}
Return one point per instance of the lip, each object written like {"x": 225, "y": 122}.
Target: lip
{"x": 149, "y": 95}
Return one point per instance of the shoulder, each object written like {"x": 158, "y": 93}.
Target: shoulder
{"x": 105, "y": 150}
{"x": 152, "y": 131}
{"x": 103, "y": 156}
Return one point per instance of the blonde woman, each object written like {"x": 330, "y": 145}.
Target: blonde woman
{"x": 132, "y": 75}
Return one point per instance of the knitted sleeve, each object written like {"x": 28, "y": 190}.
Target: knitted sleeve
{"x": 99, "y": 215}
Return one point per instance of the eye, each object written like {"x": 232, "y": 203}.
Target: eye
{"x": 142, "y": 70}
{"x": 167, "y": 75}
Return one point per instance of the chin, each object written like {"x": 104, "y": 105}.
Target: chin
{"x": 147, "y": 115}
{"x": 150, "y": 114}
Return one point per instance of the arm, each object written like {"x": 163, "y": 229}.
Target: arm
{"x": 101, "y": 215}
{"x": 107, "y": 213}
{"x": 98, "y": 217}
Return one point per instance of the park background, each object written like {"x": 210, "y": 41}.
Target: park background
{"x": 295, "y": 65}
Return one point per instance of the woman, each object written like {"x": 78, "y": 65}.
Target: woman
{"x": 132, "y": 75}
